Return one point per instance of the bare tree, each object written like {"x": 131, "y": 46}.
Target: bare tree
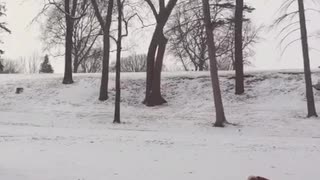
{"x": 220, "y": 116}
{"x": 156, "y": 52}
{"x": 105, "y": 24}
{"x": 69, "y": 16}
{"x": 3, "y": 27}
{"x": 86, "y": 31}
{"x": 133, "y": 63}
{"x": 306, "y": 60}
{"x": 93, "y": 63}
{"x": 290, "y": 29}
{"x": 188, "y": 39}
{"x": 118, "y": 63}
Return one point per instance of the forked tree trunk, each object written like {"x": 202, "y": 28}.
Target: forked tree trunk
{"x": 67, "y": 79}
{"x": 157, "y": 45}
{"x": 155, "y": 95}
{"x": 238, "y": 48}
{"x": 220, "y": 116}
{"x": 307, "y": 72}
{"x": 118, "y": 66}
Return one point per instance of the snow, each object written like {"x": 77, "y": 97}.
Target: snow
{"x": 62, "y": 132}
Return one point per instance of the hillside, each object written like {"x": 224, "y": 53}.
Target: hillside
{"x": 62, "y": 132}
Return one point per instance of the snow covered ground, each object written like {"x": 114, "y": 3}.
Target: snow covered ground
{"x": 62, "y": 132}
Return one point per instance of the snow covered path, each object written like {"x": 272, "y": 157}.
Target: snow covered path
{"x": 56, "y": 132}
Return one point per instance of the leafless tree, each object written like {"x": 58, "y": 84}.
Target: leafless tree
{"x": 290, "y": 29}
{"x": 86, "y": 31}
{"x": 209, "y": 24}
{"x": 156, "y": 52}
{"x": 105, "y": 24}
{"x": 93, "y": 63}
{"x": 188, "y": 40}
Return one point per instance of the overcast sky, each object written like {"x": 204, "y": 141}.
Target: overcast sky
{"x": 24, "y": 40}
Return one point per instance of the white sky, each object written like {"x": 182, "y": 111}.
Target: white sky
{"x": 24, "y": 40}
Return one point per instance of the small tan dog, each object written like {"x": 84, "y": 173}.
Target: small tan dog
{"x": 257, "y": 178}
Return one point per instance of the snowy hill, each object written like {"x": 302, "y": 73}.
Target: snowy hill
{"x": 62, "y": 132}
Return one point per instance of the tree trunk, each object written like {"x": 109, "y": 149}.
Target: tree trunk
{"x": 67, "y": 79}
{"x": 161, "y": 18}
{"x": 75, "y": 64}
{"x": 307, "y": 72}
{"x": 118, "y": 66}
{"x": 220, "y": 116}
{"x": 155, "y": 95}
{"x": 150, "y": 64}
{"x": 106, "y": 54}
{"x": 105, "y": 68}
{"x": 238, "y": 48}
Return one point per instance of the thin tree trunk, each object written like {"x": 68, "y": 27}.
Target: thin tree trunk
{"x": 220, "y": 116}
{"x": 118, "y": 66}
{"x": 307, "y": 72}
{"x": 155, "y": 96}
{"x": 238, "y": 48}
{"x": 106, "y": 52}
{"x": 67, "y": 79}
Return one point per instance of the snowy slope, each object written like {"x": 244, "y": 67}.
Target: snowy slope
{"x": 62, "y": 132}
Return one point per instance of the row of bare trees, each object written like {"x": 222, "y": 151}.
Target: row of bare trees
{"x": 202, "y": 30}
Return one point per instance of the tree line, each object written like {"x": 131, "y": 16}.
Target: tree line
{"x": 201, "y": 34}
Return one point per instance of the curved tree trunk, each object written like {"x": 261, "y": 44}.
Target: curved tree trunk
{"x": 157, "y": 45}
{"x": 307, "y": 72}
{"x": 155, "y": 95}
{"x": 238, "y": 48}
{"x": 150, "y": 63}
{"x": 220, "y": 116}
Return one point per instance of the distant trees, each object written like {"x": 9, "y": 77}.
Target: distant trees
{"x": 3, "y": 27}
{"x": 45, "y": 66}
{"x": 86, "y": 31}
{"x": 133, "y": 63}
{"x": 188, "y": 40}
{"x": 11, "y": 66}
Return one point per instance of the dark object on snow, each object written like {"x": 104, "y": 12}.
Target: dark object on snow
{"x": 19, "y": 90}
{"x": 317, "y": 86}
{"x": 257, "y": 178}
